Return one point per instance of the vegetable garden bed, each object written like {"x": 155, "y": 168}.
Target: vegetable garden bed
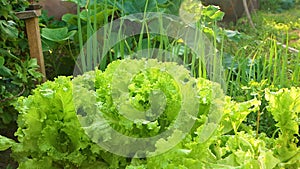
{"x": 152, "y": 100}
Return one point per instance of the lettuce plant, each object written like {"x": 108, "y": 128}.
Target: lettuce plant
{"x": 51, "y": 133}
{"x": 59, "y": 124}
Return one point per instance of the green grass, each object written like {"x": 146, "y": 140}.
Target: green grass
{"x": 257, "y": 56}
{"x": 260, "y": 54}
{"x": 274, "y": 24}
{"x": 143, "y": 41}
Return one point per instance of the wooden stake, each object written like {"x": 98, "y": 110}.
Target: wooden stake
{"x": 33, "y": 35}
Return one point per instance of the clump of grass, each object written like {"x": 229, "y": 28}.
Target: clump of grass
{"x": 254, "y": 59}
{"x": 269, "y": 61}
{"x": 141, "y": 41}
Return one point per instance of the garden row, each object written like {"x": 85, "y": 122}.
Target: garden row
{"x": 255, "y": 126}
{"x": 50, "y": 133}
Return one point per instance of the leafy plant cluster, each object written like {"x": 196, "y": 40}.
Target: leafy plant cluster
{"x": 62, "y": 40}
{"x": 18, "y": 73}
{"x": 265, "y": 54}
{"x": 50, "y": 133}
{"x": 252, "y": 133}
{"x": 247, "y": 58}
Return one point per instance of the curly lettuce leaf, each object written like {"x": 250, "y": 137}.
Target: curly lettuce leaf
{"x": 6, "y": 143}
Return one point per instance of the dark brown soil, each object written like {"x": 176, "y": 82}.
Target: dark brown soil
{"x": 6, "y": 161}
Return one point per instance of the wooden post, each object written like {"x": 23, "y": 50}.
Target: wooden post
{"x": 33, "y": 34}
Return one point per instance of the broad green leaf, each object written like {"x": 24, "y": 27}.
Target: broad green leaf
{"x": 48, "y": 45}
{"x": 1, "y": 61}
{"x": 71, "y": 19}
{"x": 218, "y": 16}
{"x": 4, "y": 71}
{"x": 210, "y": 10}
{"x": 100, "y": 16}
{"x": 207, "y": 132}
{"x": 8, "y": 29}
{"x": 235, "y": 113}
{"x": 267, "y": 160}
{"x": 32, "y": 63}
{"x": 233, "y": 35}
{"x": 5, "y": 13}
{"x": 57, "y": 34}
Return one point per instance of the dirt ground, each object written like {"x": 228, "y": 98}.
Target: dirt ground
{"x": 6, "y": 162}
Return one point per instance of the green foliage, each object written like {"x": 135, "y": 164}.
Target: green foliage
{"x": 57, "y": 34}
{"x": 50, "y": 134}
{"x": 11, "y": 28}
{"x": 261, "y": 120}
{"x": 285, "y": 108}
{"x": 5, "y": 143}
{"x": 276, "y": 5}
{"x": 18, "y": 73}
{"x": 93, "y": 16}
{"x": 272, "y": 25}
{"x": 60, "y": 39}
{"x": 166, "y": 6}
{"x": 58, "y": 49}
{"x": 129, "y": 7}
{"x": 263, "y": 53}
{"x": 142, "y": 93}
{"x": 242, "y": 149}
{"x": 260, "y": 55}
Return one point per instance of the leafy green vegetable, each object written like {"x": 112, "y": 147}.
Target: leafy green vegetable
{"x": 59, "y": 123}
{"x": 5, "y": 143}
{"x": 285, "y": 108}
{"x": 235, "y": 114}
{"x": 144, "y": 101}
{"x": 141, "y": 88}
{"x": 49, "y": 131}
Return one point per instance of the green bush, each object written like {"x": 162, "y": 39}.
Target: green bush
{"x": 18, "y": 73}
